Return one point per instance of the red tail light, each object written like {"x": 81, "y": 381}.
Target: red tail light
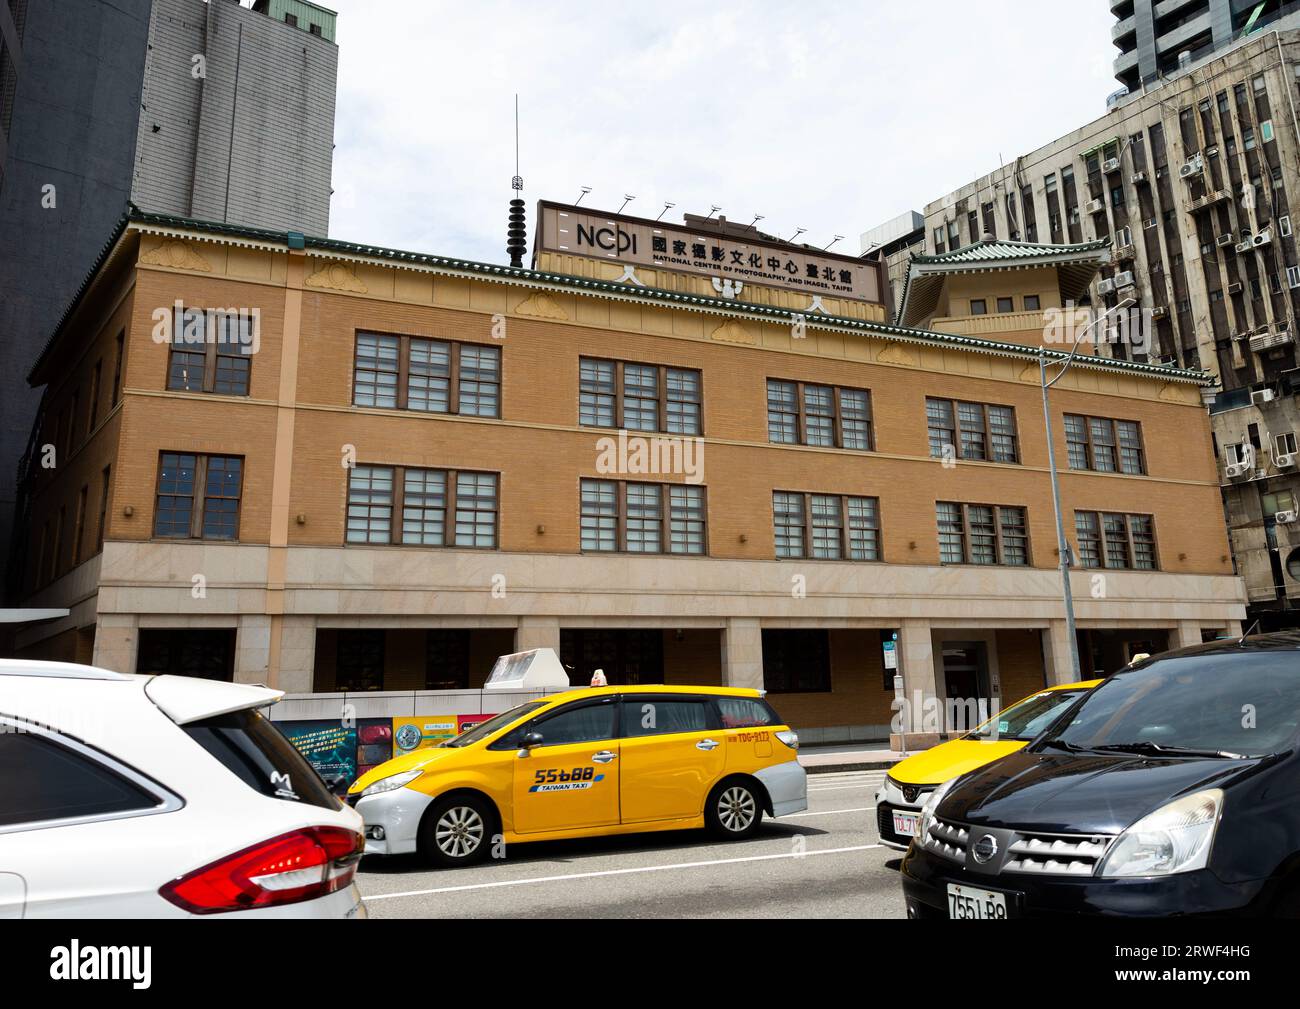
{"x": 301, "y": 865}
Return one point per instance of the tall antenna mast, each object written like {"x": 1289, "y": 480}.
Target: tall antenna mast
{"x": 517, "y": 233}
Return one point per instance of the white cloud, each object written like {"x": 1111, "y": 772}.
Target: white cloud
{"x": 828, "y": 116}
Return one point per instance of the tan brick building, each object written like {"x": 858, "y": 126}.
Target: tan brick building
{"x": 418, "y": 466}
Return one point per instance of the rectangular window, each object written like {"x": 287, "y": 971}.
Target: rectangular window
{"x": 476, "y": 510}
{"x": 979, "y": 306}
{"x": 639, "y": 397}
{"x": 420, "y": 499}
{"x": 600, "y": 515}
{"x": 642, "y": 518}
{"x": 79, "y": 536}
{"x": 1114, "y": 540}
{"x": 982, "y": 534}
{"x": 820, "y": 415}
{"x": 976, "y": 431}
{"x": 424, "y": 507}
{"x": 782, "y": 412}
{"x": 96, "y": 379}
{"x": 1006, "y": 305}
{"x": 686, "y": 520}
{"x": 431, "y": 376}
{"x": 216, "y": 361}
{"x": 826, "y": 526}
{"x": 103, "y": 509}
{"x": 1105, "y": 445}
{"x": 117, "y": 367}
{"x": 479, "y": 382}
{"x": 198, "y": 496}
{"x": 788, "y": 515}
{"x": 1031, "y": 303}
{"x": 795, "y": 661}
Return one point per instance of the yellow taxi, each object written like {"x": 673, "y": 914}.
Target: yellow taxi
{"x": 910, "y": 781}
{"x": 588, "y": 763}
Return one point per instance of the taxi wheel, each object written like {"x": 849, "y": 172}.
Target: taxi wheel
{"x": 734, "y": 809}
{"x": 458, "y": 831}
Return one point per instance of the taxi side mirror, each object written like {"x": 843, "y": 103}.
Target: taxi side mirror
{"x": 530, "y": 740}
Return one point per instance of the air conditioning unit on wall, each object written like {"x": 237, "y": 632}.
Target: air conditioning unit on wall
{"x": 1192, "y": 167}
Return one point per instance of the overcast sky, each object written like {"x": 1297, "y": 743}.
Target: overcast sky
{"x": 834, "y": 117}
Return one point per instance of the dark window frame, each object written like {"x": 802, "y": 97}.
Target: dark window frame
{"x": 199, "y": 497}
{"x": 665, "y": 518}
{"x": 663, "y": 396}
{"x": 107, "y": 475}
{"x": 797, "y": 641}
{"x": 956, "y": 440}
{"x": 1103, "y": 542}
{"x": 801, "y": 414}
{"x": 1089, "y": 446}
{"x": 999, "y": 531}
{"x": 451, "y": 507}
{"x": 401, "y": 395}
{"x": 212, "y": 352}
{"x": 845, "y": 527}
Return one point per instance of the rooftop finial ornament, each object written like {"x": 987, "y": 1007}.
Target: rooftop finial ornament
{"x": 517, "y": 233}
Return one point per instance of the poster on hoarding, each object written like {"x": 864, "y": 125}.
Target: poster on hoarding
{"x": 374, "y": 743}
{"x": 422, "y": 732}
{"x": 466, "y": 722}
{"x": 329, "y": 746}
{"x": 341, "y": 753}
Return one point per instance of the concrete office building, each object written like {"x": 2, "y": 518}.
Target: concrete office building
{"x": 197, "y": 107}
{"x": 1157, "y": 37}
{"x": 683, "y": 452}
{"x": 1191, "y": 183}
{"x": 893, "y": 243}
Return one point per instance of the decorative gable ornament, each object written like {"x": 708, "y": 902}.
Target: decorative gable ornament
{"x": 728, "y": 288}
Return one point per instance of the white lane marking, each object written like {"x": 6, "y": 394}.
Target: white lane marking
{"x": 824, "y": 812}
{"x": 620, "y": 872}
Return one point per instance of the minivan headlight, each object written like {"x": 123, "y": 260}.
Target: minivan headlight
{"x": 1175, "y": 838}
{"x": 929, "y": 806}
{"x": 391, "y": 782}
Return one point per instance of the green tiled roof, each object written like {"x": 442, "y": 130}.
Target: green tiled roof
{"x": 987, "y": 252}
{"x": 1075, "y": 266}
{"x": 604, "y": 288}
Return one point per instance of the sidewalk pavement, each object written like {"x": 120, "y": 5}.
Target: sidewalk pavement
{"x": 849, "y": 757}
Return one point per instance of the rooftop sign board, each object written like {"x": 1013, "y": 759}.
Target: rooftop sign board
{"x": 748, "y": 258}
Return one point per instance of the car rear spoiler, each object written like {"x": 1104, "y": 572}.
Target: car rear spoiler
{"x": 186, "y": 699}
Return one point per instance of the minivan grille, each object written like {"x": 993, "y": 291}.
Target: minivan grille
{"x": 1056, "y": 854}
{"x": 947, "y": 839}
{"x": 1031, "y": 852}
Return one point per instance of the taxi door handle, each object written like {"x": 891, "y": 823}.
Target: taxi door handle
{"x": 604, "y": 756}
{"x": 706, "y": 744}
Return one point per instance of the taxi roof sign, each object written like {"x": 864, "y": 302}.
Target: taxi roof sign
{"x": 536, "y": 669}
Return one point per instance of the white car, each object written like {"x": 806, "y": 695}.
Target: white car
{"x": 131, "y": 796}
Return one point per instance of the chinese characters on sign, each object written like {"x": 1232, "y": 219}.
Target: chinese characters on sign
{"x": 665, "y": 246}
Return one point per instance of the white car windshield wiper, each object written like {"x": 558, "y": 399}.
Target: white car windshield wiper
{"x": 1146, "y": 746}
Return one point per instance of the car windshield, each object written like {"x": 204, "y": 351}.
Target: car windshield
{"x": 1245, "y": 704}
{"x": 1025, "y": 720}
{"x": 492, "y": 724}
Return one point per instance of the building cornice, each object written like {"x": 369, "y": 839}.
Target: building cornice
{"x": 335, "y": 249}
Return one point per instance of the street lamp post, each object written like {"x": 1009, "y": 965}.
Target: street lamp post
{"x": 1062, "y": 545}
